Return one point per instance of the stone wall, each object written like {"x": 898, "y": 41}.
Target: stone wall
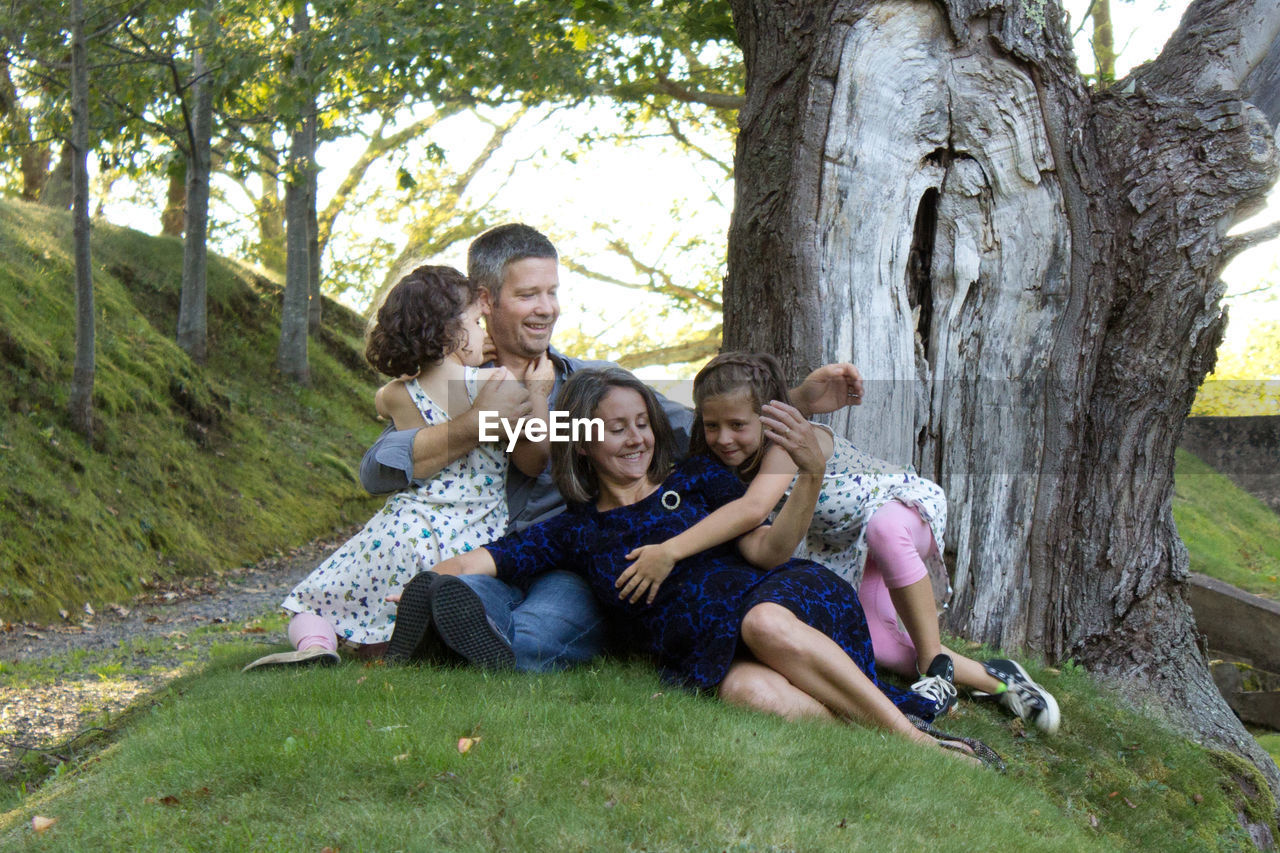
{"x": 1247, "y": 450}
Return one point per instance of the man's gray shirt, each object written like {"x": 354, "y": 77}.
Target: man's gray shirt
{"x": 387, "y": 466}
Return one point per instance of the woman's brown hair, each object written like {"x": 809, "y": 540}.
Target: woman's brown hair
{"x": 571, "y": 470}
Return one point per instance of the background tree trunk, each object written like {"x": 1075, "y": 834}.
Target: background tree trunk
{"x": 314, "y": 302}
{"x": 56, "y": 191}
{"x": 81, "y": 397}
{"x": 1028, "y": 276}
{"x": 174, "y": 216}
{"x": 292, "y": 357}
{"x": 193, "y": 307}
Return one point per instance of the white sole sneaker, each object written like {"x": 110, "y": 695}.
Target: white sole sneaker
{"x": 297, "y": 657}
{"x": 1026, "y": 699}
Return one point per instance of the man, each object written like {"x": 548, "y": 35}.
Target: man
{"x": 555, "y": 622}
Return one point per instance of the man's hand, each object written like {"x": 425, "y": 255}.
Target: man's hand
{"x": 784, "y": 426}
{"x": 830, "y": 387}
{"x": 503, "y": 394}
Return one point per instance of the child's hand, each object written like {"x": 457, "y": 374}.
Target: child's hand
{"x": 785, "y": 428}
{"x": 540, "y": 376}
{"x": 652, "y": 565}
{"x": 830, "y": 387}
{"x": 394, "y": 598}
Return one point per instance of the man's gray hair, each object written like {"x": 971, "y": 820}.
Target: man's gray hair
{"x": 496, "y": 249}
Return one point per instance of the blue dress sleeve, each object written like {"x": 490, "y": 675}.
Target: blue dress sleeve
{"x": 716, "y": 482}
{"x": 539, "y": 548}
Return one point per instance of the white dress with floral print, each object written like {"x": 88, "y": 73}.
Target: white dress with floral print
{"x": 854, "y": 487}
{"x": 462, "y": 508}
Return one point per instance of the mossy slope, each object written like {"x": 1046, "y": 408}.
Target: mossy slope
{"x": 192, "y": 468}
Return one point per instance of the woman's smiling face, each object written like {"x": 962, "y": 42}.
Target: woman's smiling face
{"x": 625, "y": 453}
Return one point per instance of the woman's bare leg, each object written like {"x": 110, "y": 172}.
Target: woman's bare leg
{"x": 753, "y": 685}
{"x": 815, "y": 664}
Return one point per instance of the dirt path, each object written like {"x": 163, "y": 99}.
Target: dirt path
{"x": 48, "y": 697}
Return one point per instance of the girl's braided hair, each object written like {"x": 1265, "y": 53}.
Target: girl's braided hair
{"x": 758, "y": 374}
{"x": 420, "y": 321}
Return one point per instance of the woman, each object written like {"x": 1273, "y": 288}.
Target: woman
{"x": 799, "y": 620}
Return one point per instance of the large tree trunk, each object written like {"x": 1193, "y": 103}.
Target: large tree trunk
{"x": 269, "y": 209}
{"x": 193, "y": 308}
{"x": 292, "y": 356}
{"x": 1028, "y": 276}
{"x": 81, "y": 397}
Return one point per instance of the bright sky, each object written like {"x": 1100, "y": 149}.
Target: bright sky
{"x": 649, "y": 193}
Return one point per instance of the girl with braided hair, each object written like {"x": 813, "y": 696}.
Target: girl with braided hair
{"x": 428, "y": 329}
{"x": 876, "y": 524}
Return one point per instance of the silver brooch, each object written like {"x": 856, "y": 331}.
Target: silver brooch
{"x": 670, "y": 500}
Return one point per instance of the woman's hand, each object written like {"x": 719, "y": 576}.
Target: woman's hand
{"x": 784, "y": 426}
{"x": 652, "y": 565}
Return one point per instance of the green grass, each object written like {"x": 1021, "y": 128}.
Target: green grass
{"x": 1231, "y": 535}
{"x": 606, "y": 758}
{"x": 193, "y": 468}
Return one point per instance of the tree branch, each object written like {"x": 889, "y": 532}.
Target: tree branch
{"x": 1217, "y": 47}
{"x": 699, "y": 348}
{"x": 716, "y": 100}
{"x": 1233, "y": 246}
{"x": 666, "y": 288}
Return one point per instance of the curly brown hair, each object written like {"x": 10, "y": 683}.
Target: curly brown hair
{"x": 420, "y": 321}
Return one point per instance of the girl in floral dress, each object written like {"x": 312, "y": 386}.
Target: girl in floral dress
{"x": 876, "y": 524}
{"x": 429, "y": 327}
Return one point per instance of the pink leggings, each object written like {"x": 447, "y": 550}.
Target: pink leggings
{"x": 898, "y": 540}
{"x": 307, "y": 630}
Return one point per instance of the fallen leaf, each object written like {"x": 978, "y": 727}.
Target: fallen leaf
{"x": 1197, "y": 798}
{"x": 64, "y": 614}
{"x": 32, "y": 635}
{"x": 40, "y": 824}
{"x": 326, "y": 849}
{"x": 1113, "y": 794}
{"x": 361, "y": 679}
{"x": 257, "y": 629}
{"x": 170, "y": 800}
{"x": 401, "y": 757}
{"x": 610, "y": 803}
{"x": 446, "y": 776}
{"x": 120, "y": 611}
{"x": 843, "y": 824}
{"x": 87, "y": 609}
{"x": 1130, "y": 803}
{"x": 656, "y": 696}
{"x": 465, "y": 744}
{"x": 1093, "y": 821}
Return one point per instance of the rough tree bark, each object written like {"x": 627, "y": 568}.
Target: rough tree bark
{"x": 193, "y": 312}
{"x": 292, "y": 355}
{"x": 81, "y": 396}
{"x": 315, "y": 303}
{"x": 174, "y": 215}
{"x": 927, "y": 189}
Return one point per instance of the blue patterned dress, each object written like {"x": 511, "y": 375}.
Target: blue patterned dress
{"x": 692, "y": 628}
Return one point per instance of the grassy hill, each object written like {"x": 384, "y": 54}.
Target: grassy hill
{"x": 193, "y": 469}
{"x": 1230, "y": 534}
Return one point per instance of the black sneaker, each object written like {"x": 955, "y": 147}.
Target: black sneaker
{"x": 459, "y": 618}
{"x": 938, "y": 685}
{"x": 1024, "y": 697}
{"x": 411, "y": 638}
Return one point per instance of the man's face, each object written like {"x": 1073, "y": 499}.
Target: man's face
{"x": 525, "y": 312}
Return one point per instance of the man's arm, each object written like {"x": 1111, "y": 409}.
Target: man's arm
{"x": 401, "y": 457}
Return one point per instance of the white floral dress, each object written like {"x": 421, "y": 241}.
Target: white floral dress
{"x": 462, "y": 508}
{"x": 855, "y": 485}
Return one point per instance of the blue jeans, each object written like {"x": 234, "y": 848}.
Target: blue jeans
{"x": 553, "y": 625}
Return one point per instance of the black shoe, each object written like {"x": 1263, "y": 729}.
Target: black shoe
{"x": 411, "y": 638}
{"x": 938, "y": 685}
{"x": 459, "y": 618}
